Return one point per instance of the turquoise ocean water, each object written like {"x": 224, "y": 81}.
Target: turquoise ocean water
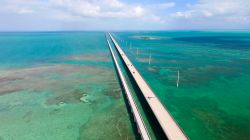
{"x": 212, "y": 100}
{"x": 60, "y": 86}
{"x": 63, "y": 85}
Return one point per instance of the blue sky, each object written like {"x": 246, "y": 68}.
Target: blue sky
{"x": 26, "y": 15}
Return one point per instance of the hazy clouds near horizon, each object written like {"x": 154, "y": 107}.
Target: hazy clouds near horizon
{"x": 123, "y": 14}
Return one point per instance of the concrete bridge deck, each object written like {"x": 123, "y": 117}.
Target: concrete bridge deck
{"x": 137, "y": 117}
{"x": 166, "y": 121}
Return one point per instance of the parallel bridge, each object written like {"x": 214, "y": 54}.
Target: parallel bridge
{"x": 166, "y": 121}
{"x": 137, "y": 117}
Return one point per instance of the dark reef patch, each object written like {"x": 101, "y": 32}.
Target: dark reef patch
{"x": 27, "y": 116}
{"x": 9, "y": 79}
{"x": 70, "y": 97}
{"x": 115, "y": 93}
{"x": 4, "y": 107}
{"x": 8, "y": 91}
{"x": 54, "y": 111}
{"x": 112, "y": 126}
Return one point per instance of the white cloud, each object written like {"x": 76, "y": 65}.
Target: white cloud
{"x": 98, "y": 8}
{"x": 19, "y": 10}
{"x": 203, "y": 13}
{"x": 227, "y": 10}
{"x": 86, "y": 12}
{"x": 81, "y": 8}
{"x": 165, "y": 5}
{"x": 212, "y": 14}
{"x": 25, "y": 11}
{"x": 84, "y": 8}
{"x": 21, "y": 6}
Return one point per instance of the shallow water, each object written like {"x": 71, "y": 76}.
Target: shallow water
{"x": 63, "y": 85}
{"x": 212, "y": 100}
{"x": 60, "y": 85}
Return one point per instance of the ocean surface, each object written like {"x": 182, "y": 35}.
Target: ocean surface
{"x": 60, "y": 86}
{"x": 212, "y": 101}
{"x": 63, "y": 85}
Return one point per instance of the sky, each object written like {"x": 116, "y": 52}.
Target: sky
{"x": 53, "y": 15}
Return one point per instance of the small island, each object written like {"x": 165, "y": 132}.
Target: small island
{"x": 148, "y": 37}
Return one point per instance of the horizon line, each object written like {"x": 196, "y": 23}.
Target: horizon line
{"x": 131, "y": 30}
